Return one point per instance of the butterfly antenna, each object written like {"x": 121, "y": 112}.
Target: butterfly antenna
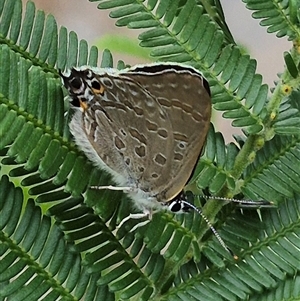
{"x": 241, "y": 202}
{"x": 214, "y": 231}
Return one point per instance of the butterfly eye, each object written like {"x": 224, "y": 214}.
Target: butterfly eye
{"x": 76, "y": 83}
{"x": 97, "y": 87}
{"x": 175, "y": 206}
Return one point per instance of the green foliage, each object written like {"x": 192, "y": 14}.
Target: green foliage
{"x": 279, "y": 16}
{"x": 122, "y": 44}
{"x": 58, "y": 238}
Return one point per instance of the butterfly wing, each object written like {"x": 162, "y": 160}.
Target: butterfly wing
{"x": 122, "y": 128}
{"x": 184, "y": 96}
{"x": 146, "y": 126}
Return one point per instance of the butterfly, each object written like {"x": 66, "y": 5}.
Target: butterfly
{"x": 145, "y": 125}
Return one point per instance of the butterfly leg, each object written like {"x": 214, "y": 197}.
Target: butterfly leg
{"x": 110, "y": 187}
{"x": 145, "y": 213}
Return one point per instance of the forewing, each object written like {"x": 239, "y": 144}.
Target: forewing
{"x": 129, "y": 130}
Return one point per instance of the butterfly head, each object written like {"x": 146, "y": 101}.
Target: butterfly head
{"x": 82, "y": 86}
{"x": 180, "y": 203}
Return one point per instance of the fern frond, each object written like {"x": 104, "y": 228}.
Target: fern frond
{"x": 288, "y": 120}
{"x": 37, "y": 39}
{"x": 274, "y": 173}
{"x": 264, "y": 261}
{"x": 214, "y": 9}
{"x": 288, "y": 289}
{"x": 215, "y": 165}
{"x": 36, "y": 261}
{"x": 277, "y": 16}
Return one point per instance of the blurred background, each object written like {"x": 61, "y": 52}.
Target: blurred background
{"x": 91, "y": 24}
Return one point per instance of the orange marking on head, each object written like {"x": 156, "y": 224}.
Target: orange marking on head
{"x": 83, "y": 104}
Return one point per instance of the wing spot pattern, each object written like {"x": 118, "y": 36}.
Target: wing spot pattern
{"x": 160, "y": 159}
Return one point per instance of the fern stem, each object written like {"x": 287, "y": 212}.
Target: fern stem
{"x": 245, "y": 156}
